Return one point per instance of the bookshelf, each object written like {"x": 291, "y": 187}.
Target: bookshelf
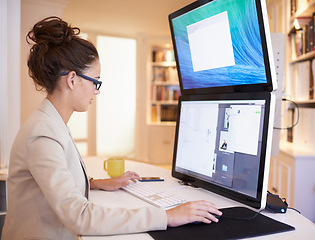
{"x": 163, "y": 91}
{"x": 164, "y": 86}
{"x": 302, "y": 52}
{"x": 301, "y": 8}
{"x": 289, "y": 169}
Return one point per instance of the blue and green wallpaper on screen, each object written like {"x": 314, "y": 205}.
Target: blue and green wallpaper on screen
{"x": 249, "y": 65}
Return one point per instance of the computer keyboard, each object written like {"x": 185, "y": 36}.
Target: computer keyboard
{"x": 156, "y": 197}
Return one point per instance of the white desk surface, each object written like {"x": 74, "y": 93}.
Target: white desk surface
{"x": 304, "y": 228}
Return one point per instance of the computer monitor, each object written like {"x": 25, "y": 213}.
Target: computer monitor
{"x": 223, "y": 143}
{"x": 223, "y": 46}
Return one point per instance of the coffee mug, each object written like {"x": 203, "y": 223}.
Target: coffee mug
{"x": 114, "y": 166}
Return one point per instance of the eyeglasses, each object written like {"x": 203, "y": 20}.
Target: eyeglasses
{"x": 97, "y": 83}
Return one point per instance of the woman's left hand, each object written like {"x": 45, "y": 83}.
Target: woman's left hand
{"x": 112, "y": 184}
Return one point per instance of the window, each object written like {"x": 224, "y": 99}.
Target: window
{"x": 116, "y": 105}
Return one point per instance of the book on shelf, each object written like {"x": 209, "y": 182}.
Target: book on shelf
{"x": 168, "y": 113}
{"x": 297, "y": 43}
{"x": 153, "y": 93}
{"x": 290, "y": 122}
{"x": 164, "y": 74}
{"x": 176, "y": 95}
{"x": 167, "y": 93}
{"x": 172, "y": 75}
{"x": 163, "y": 55}
{"x": 312, "y": 79}
{"x": 306, "y": 39}
{"x": 158, "y": 74}
{"x": 163, "y": 113}
{"x": 160, "y": 93}
{"x": 311, "y": 33}
{"x": 154, "y": 113}
{"x": 293, "y": 7}
{"x": 302, "y": 37}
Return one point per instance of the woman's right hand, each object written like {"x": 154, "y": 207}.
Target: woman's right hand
{"x": 189, "y": 212}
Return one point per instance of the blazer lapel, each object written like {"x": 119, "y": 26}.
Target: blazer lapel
{"x": 87, "y": 188}
{"x": 47, "y": 107}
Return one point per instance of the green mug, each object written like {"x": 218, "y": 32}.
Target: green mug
{"x": 114, "y": 166}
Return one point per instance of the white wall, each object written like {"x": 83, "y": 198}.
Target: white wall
{"x": 31, "y": 12}
{"x": 9, "y": 76}
{"x": 16, "y": 19}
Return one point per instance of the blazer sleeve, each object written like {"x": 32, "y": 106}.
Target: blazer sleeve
{"x": 48, "y": 166}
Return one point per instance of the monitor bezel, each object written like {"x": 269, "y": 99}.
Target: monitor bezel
{"x": 260, "y": 201}
{"x": 271, "y": 83}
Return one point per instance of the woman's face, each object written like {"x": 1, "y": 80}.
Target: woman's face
{"x": 86, "y": 89}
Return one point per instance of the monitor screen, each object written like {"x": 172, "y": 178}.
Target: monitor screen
{"x": 223, "y": 46}
{"x": 223, "y": 142}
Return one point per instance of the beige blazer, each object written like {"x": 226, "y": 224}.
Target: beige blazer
{"x": 48, "y": 188}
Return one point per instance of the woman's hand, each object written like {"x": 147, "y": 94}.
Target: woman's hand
{"x": 195, "y": 211}
{"x": 114, "y": 183}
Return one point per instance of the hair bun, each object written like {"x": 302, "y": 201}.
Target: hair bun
{"x": 57, "y": 48}
{"x": 52, "y": 31}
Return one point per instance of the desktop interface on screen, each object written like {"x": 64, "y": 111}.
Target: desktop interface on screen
{"x": 220, "y": 142}
{"x": 220, "y": 44}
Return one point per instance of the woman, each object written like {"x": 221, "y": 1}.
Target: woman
{"x": 48, "y": 187}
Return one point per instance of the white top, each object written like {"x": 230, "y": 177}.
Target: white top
{"x": 304, "y": 228}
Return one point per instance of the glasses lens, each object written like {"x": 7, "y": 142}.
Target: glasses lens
{"x": 98, "y": 85}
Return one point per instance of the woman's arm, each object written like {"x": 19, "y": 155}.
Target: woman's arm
{"x": 112, "y": 184}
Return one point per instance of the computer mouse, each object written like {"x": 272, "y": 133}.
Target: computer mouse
{"x": 216, "y": 216}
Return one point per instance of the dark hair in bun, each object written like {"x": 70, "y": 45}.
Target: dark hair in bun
{"x": 57, "y": 48}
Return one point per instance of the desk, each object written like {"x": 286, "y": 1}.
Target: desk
{"x": 305, "y": 229}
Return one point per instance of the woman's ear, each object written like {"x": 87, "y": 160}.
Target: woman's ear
{"x": 71, "y": 79}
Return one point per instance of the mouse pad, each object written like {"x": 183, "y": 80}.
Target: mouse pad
{"x": 226, "y": 228}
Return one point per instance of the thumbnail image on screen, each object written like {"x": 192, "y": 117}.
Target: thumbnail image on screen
{"x": 219, "y": 44}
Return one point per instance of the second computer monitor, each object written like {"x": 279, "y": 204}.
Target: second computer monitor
{"x": 223, "y": 142}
